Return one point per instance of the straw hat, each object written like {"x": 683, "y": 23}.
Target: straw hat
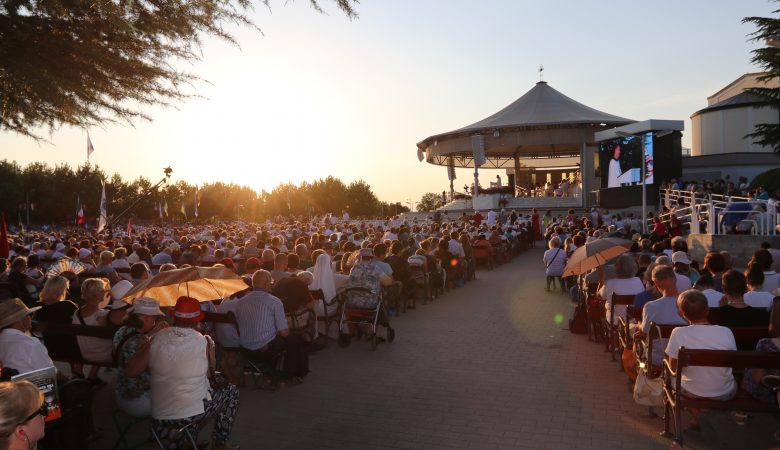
{"x": 13, "y": 310}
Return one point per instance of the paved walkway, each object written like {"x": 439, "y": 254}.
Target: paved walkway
{"x": 490, "y": 365}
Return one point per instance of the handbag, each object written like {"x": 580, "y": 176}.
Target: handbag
{"x": 648, "y": 391}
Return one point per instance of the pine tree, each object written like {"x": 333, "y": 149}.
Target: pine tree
{"x": 768, "y": 58}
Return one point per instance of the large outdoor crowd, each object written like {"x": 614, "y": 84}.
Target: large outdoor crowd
{"x": 705, "y": 298}
{"x": 177, "y": 367}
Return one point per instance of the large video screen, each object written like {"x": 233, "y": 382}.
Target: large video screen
{"x": 621, "y": 161}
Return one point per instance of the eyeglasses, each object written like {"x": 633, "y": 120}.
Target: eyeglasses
{"x": 43, "y": 411}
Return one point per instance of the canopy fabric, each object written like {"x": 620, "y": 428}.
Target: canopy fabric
{"x": 200, "y": 283}
{"x": 595, "y": 254}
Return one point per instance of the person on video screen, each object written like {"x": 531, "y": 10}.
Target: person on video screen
{"x": 614, "y": 168}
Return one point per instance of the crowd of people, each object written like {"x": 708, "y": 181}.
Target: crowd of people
{"x": 177, "y": 367}
{"x": 704, "y": 299}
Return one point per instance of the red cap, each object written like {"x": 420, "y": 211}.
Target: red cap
{"x": 187, "y": 309}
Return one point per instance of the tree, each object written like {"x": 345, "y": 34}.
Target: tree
{"x": 91, "y": 63}
{"x": 361, "y": 201}
{"x": 768, "y": 58}
{"x": 429, "y": 202}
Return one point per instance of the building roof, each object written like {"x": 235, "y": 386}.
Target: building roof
{"x": 738, "y": 101}
{"x": 543, "y": 105}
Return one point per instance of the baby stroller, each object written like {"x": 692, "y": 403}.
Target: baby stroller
{"x": 359, "y": 317}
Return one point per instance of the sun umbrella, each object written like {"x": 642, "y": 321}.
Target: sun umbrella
{"x": 595, "y": 254}
{"x": 200, "y": 283}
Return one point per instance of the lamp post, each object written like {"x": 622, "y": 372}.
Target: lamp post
{"x": 643, "y": 176}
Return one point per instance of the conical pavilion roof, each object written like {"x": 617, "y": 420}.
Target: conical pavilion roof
{"x": 543, "y": 105}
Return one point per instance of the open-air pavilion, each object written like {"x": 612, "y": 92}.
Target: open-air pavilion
{"x": 542, "y": 138}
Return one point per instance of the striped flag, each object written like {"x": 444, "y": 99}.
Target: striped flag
{"x": 183, "y": 211}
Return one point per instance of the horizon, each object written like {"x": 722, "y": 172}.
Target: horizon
{"x": 352, "y": 98}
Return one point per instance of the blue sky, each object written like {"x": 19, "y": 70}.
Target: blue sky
{"x": 318, "y": 94}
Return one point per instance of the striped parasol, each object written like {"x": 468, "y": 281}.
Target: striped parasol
{"x": 595, "y": 254}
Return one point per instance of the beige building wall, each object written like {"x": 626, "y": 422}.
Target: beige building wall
{"x": 724, "y": 130}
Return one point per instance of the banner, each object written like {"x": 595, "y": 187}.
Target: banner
{"x": 103, "y": 214}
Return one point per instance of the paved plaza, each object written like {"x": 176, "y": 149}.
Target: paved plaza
{"x": 486, "y": 366}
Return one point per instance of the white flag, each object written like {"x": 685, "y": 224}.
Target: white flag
{"x": 90, "y": 148}
{"x": 103, "y": 215}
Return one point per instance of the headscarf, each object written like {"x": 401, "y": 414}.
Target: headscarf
{"x": 323, "y": 277}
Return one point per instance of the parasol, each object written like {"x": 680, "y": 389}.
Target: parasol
{"x": 201, "y": 283}
{"x": 595, "y": 254}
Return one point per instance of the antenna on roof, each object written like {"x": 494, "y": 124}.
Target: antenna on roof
{"x": 541, "y": 69}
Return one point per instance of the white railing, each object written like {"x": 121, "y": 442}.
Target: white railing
{"x": 693, "y": 210}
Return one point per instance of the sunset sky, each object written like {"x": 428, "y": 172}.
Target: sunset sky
{"x": 319, "y": 95}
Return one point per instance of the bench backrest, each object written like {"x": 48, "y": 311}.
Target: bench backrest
{"x": 728, "y": 358}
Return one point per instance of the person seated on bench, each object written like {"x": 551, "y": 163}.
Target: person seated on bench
{"x": 131, "y": 352}
{"x": 752, "y": 380}
{"x": 56, "y": 309}
{"x": 626, "y": 283}
{"x": 96, "y": 293}
{"x": 19, "y": 281}
{"x": 119, "y": 307}
{"x": 664, "y": 310}
{"x": 264, "y": 333}
{"x": 706, "y": 285}
{"x": 756, "y": 296}
{"x": 23, "y": 411}
{"x": 139, "y": 272}
{"x": 734, "y": 312}
{"x": 716, "y": 383}
{"x": 19, "y": 350}
{"x": 181, "y": 361}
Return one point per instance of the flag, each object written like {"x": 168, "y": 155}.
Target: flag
{"x": 90, "y": 148}
{"x": 184, "y": 211}
{"x": 197, "y": 200}
{"x": 129, "y": 228}
{"x": 158, "y": 207}
{"x": 103, "y": 214}
{"x": 165, "y": 207}
{"x": 5, "y": 249}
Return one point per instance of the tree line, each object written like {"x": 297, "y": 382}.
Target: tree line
{"x": 54, "y": 195}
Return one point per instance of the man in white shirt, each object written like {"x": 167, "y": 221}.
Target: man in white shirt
{"x": 19, "y": 350}
{"x": 614, "y": 168}
{"x": 706, "y": 285}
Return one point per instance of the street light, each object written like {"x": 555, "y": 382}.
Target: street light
{"x": 641, "y": 137}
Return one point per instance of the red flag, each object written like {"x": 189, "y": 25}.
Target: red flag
{"x": 5, "y": 249}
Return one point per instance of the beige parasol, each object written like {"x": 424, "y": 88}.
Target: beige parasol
{"x": 201, "y": 283}
{"x": 595, "y": 254}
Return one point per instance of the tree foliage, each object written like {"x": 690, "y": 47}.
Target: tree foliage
{"x": 429, "y": 202}
{"x": 768, "y": 58}
{"x": 88, "y": 63}
{"x": 55, "y": 193}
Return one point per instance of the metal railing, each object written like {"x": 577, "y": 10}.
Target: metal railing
{"x": 713, "y": 210}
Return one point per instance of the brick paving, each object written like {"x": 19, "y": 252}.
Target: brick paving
{"x": 486, "y": 366}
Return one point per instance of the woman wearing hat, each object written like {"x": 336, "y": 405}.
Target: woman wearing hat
{"x": 22, "y": 414}
{"x": 131, "y": 353}
{"x": 180, "y": 362}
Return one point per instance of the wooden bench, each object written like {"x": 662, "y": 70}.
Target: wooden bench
{"x": 675, "y": 401}
{"x": 611, "y": 326}
{"x": 73, "y": 356}
{"x": 747, "y": 336}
